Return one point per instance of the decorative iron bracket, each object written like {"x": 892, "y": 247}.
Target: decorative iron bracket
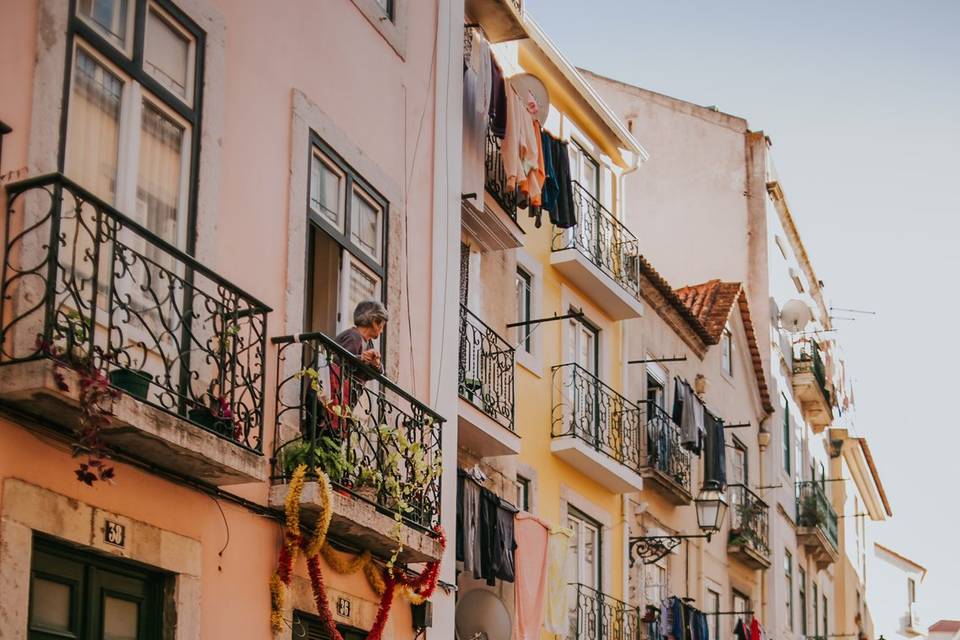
{"x": 650, "y": 549}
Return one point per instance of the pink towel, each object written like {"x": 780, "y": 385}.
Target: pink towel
{"x": 530, "y": 589}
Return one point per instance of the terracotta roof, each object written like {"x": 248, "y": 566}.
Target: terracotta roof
{"x": 949, "y": 626}
{"x": 674, "y": 300}
{"x": 712, "y": 303}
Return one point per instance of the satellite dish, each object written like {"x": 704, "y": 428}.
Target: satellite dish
{"x": 481, "y": 615}
{"x": 795, "y": 316}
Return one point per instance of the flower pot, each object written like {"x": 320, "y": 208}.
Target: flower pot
{"x": 367, "y": 493}
{"x": 204, "y": 417}
{"x": 136, "y": 382}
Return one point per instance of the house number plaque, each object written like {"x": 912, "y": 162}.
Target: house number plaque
{"x": 114, "y": 533}
{"x": 343, "y": 607}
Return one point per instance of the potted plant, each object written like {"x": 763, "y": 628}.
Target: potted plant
{"x": 326, "y": 454}
{"x": 136, "y": 382}
{"x": 216, "y": 416}
{"x": 367, "y": 484}
{"x": 809, "y": 510}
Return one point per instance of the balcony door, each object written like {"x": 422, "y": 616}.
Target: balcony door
{"x": 585, "y": 172}
{"x": 581, "y": 378}
{"x": 584, "y": 568}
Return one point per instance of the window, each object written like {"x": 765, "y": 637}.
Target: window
{"x": 656, "y": 588}
{"x": 585, "y": 557}
{"x": 132, "y": 123}
{"x": 780, "y": 245}
{"x": 826, "y": 617}
{"x": 347, "y": 242}
{"x": 582, "y": 347}
{"x": 524, "y": 288}
{"x": 815, "y": 599}
{"x": 585, "y": 170}
{"x": 911, "y": 593}
{"x": 656, "y": 386}
{"x": 523, "y": 493}
{"x": 741, "y": 603}
{"x": 786, "y": 434}
{"x": 309, "y": 627}
{"x": 387, "y": 6}
{"x": 79, "y": 595}
{"x": 802, "y": 598}
{"x": 713, "y": 602}
{"x": 726, "y": 352}
{"x": 788, "y": 578}
{"x": 739, "y": 472}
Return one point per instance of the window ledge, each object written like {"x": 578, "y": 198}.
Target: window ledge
{"x": 393, "y": 31}
{"x": 529, "y": 362}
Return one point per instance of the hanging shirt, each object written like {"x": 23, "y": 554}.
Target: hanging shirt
{"x": 477, "y": 87}
{"x": 504, "y": 542}
{"x": 755, "y": 631}
{"x": 487, "y": 530}
{"x": 520, "y": 144}
{"x": 530, "y": 563}
{"x": 498, "y": 100}
{"x": 715, "y": 466}
{"x": 557, "y": 618}
{"x": 468, "y": 520}
{"x": 565, "y": 215}
{"x": 740, "y": 630}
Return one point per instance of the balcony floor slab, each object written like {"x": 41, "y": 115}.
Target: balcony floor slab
{"x": 617, "y": 302}
{"x": 363, "y": 524}
{"x": 580, "y": 455}
{"x": 137, "y": 428}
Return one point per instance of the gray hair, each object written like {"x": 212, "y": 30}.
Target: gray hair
{"x": 368, "y": 311}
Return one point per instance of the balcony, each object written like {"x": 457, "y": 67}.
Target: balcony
{"x": 749, "y": 527}
{"x": 910, "y": 622}
{"x": 491, "y": 218}
{"x": 595, "y": 429}
{"x": 486, "y": 388}
{"x": 379, "y": 446}
{"x": 600, "y": 255}
{"x": 816, "y": 523}
{"x": 597, "y": 616}
{"x": 810, "y": 386}
{"x": 86, "y": 292}
{"x": 502, "y": 20}
{"x": 666, "y": 464}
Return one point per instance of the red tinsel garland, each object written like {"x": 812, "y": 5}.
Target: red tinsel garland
{"x": 320, "y": 597}
{"x": 383, "y": 612}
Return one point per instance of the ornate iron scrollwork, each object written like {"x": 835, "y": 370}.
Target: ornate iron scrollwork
{"x": 650, "y": 549}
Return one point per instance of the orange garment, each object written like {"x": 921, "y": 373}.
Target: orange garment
{"x": 532, "y": 185}
{"x": 530, "y": 563}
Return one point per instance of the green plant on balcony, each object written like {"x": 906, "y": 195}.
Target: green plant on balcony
{"x": 811, "y": 513}
{"x": 326, "y": 455}
{"x": 749, "y": 513}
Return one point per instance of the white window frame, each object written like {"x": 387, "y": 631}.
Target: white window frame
{"x": 174, "y": 25}
{"x": 530, "y": 360}
{"x": 377, "y": 255}
{"x": 727, "y": 351}
{"x": 317, "y": 155}
{"x": 127, "y": 45}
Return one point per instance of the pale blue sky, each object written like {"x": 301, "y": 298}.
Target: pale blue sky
{"x": 862, "y": 101}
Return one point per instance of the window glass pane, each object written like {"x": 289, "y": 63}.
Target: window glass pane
{"x": 120, "y": 619}
{"x": 523, "y": 310}
{"x": 107, "y": 17}
{"x": 365, "y": 232}
{"x": 159, "y": 173}
{"x": 93, "y": 127}
{"x": 387, "y": 6}
{"x": 326, "y": 191}
{"x": 50, "y": 609}
{"x": 591, "y": 544}
{"x": 166, "y": 54}
{"x": 361, "y": 285}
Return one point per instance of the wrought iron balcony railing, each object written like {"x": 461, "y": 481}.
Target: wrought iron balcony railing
{"x": 586, "y": 408}
{"x": 496, "y": 180}
{"x": 597, "y": 616}
{"x": 486, "y": 369}
{"x": 809, "y": 352}
{"x": 370, "y": 437}
{"x": 87, "y": 286}
{"x": 814, "y": 509}
{"x": 749, "y": 523}
{"x": 601, "y": 238}
{"x": 662, "y": 450}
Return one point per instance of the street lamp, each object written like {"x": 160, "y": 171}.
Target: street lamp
{"x": 711, "y": 508}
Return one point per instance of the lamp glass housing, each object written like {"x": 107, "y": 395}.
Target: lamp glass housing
{"x": 711, "y": 510}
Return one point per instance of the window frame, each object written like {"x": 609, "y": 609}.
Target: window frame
{"x": 524, "y": 487}
{"x": 740, "y": 447}
{"x": 343, "y": 237}
{"x": 786, "y": 434}
{"x": 726, "y": 352}
{"x": 802, "y": 593}
{"x": 92, "y": 577}
{"x": 524, "y": 337}
{"x": 81, "y": 33}
{"x": 788, "y": 575}
{"x": 584, "y": 519}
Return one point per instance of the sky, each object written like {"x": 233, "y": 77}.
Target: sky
{"x": 862, "y": 102}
